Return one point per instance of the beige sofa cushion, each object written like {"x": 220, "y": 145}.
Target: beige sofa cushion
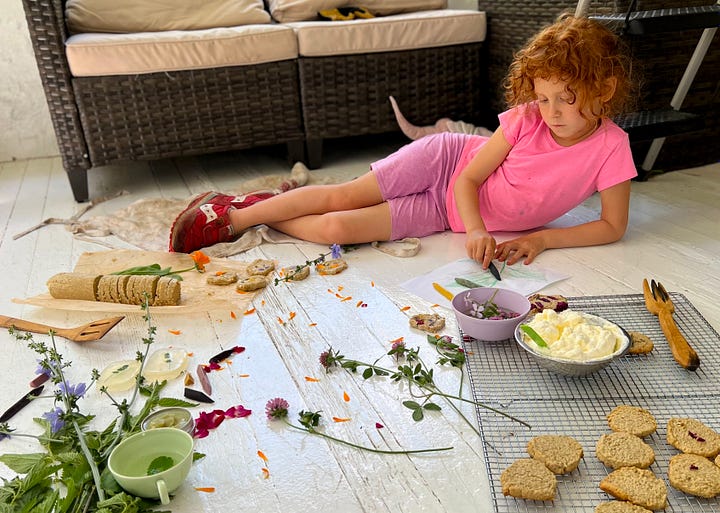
{"x": 424, "y": 29}
{"x": 303, "y": 10}
{"x": 147, "y": 52}
{"x": 127, "y": 16}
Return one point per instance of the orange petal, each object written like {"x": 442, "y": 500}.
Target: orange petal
{"x": 311, "y": 379}
{"x": 330, "y": 291}
{"x": 232, "y": 314}
{"x": 219, "y": 273}
{"x": 175, "y": 332}
{"x": 249, "y": 312}
{"x": 281, "y": 321}
{"x": 206, "y": 489}
{"x": 262, "y": 302}
{"x": 405, "y": 308}
{"x": 312, "y": 324}
{"x": 190, "y": 354}
{"x": 262, "y": 456}
{"x": 338, "y": 296}
{"x": 399, "y": 339}
{"x": 346, "y": 397}
{"x": 359, "y": 303}
{"x": 348, "y": 298}
{"x": 340, "y": 287}
{"x": 266, "y": 473}
{"x": 243, "y": 375}
{"x": 292, "y": 316}
{"x": 372, "y": 283}
{"x": 341, "y": 419}
{"x": 433, "y": 306}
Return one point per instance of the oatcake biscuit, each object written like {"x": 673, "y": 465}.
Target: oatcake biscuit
{"x": 692, "y": 436}
{"x": 559, "y": 453}
{"x": 251, "y": 283}
{"x": 296, "y": 273}
{"x": 528, "y": 479}
{"x": 334, "y": 266}
{"x": 167, "y": 292}
{"x": 624, "y": 450}
{"x": 260, "y": 267}
{"x": 717, "y": 460}
{"x": 640, "y": 343}
{"x": 540, "y": 302}
{"x": 633, "y": 420}
{"x": 427, "y": 322}
{"x": 620, "y": 507}
{"x": 637, "y": 485}
{"x": 222, "y": 278}
{"x": 695, "y": 475}
{"x": 74, "y": 286}
{"x": 140, "y": 285}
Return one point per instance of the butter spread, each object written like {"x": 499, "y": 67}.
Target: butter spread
{"x": 575, "y": 335}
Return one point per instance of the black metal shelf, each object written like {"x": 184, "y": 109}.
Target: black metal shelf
{"x": 640, "y": 23}
{"x": 648, "y": 125}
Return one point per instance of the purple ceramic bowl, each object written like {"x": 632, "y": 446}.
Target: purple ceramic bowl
{"x": 490, "y": 329}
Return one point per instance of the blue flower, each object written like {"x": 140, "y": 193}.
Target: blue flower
{"x": 76, "y": 391}
{"x": 54, "y": 417}
{"x": 42, "y": 369}
{"x": 336, "y": 249}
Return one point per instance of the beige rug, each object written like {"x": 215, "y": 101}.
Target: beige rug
{"x": 146, "y": 223}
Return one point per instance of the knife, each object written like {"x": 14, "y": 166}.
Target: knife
{"x": 494, "y": 271}
{"x": 21, "y": 403}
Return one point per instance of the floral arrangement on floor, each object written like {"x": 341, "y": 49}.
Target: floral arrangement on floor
{"x": 75, "y": 457}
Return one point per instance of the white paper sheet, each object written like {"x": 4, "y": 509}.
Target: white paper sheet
{"x": 526, "y": 279}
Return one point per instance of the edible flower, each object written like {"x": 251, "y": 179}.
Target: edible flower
{"x": 199, "y": 258}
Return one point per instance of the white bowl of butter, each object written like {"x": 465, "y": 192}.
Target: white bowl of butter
{"x": 576, "y": 343}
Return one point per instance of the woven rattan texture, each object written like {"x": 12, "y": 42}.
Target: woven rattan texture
{"x": 659, "y": 61}
{"x": 501, "y": 374}
{"x": 348, "y": 95}
{"x": 169, "y": 114}
{"x": 45, "y": 20}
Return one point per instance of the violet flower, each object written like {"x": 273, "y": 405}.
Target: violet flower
{"x": 54, "y": 417}
{"x": 276, "y": 408}
{"x": 335, "y": 250}
{"x": 76, "y": 391}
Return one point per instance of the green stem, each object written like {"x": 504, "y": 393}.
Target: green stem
{"x": 361, "y": 447}
{"x": 38, "y": 438}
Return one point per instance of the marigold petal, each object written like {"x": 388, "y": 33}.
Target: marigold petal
{"x": 292, "y": 316}
{"x": 249, "y": 312}
{"x": 262, "y": 456}
{"x": 311, "y": 379}
{"x": 312, "y": 324}
{"x": 341, "y": 419}
{"x": 199, "y": 257}
{"x": 359, "y": 303}
{"x": 266, "y": 473}
{"x": 206, "y": 489}
{"x": 232, "y": 314}
{"x": 243, "y": 375}
{"x": 262, "y": 302}
{"x": 346, "y": 397}
{"x": 405, "y": 308}
{"x": 399, "y": 339}
{"x": 348, "y": 298}
{"x": 219, "y": 273}
{"x": 434, "y": 305}
{"x": 281, "y": 321}
{"x": 340, "y": 287}
{"x": 175, "y": 332}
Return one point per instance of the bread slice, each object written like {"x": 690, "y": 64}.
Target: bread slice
{"x": 632, "y": 419}
{"x": 559, "y": 453}
{"x": 639, "y": 486}
{"x": 620, "y": 507}
{"x": 695, "y": 475}
{"x": 624, "y": 450}
{"x": 692, "y": 436}
{"x": 527, "y": 478}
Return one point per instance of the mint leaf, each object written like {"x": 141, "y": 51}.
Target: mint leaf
{"x": 171, "y": 401}
{"x": 160, "y": 464}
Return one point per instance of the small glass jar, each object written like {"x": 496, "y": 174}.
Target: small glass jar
{"x": 179, "y": 418}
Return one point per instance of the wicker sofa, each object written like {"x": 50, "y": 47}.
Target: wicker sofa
{"x": 108, "y": 106}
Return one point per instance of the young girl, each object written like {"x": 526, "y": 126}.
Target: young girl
{"x": 554, "y": 148}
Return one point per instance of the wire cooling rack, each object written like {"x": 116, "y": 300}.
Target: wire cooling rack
{"x": 501, "y": 374}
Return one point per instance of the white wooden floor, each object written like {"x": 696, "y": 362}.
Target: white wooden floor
{"x": 673, "y": 237}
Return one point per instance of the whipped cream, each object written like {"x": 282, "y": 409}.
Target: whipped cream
{"x": 575, "y": 336}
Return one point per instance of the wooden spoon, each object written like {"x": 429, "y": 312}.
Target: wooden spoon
{"x": 86, "y": 333}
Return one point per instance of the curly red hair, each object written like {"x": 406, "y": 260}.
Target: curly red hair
{"x": 583, "y": 54}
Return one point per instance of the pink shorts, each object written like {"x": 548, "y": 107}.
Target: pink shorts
{"x": 414, "y": 180}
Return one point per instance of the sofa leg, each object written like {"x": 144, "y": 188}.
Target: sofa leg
{"x": 314, "y": 153}
{"x": 296, "y": 151}
{"x": 79, "y": 184}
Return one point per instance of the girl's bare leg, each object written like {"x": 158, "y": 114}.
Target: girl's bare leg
{"x": 313, "y": 199}
{"x": 354, "y": 226}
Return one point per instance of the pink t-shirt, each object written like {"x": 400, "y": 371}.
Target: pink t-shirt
{"x": 541, "y": 180}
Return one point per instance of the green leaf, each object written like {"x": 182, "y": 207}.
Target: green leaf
{"x": 431, "y": 407}
{"x": 21, "y": 463}
{"x": 534, "y": 335}
{"x": 197, "y": 456}
{"x": 467, "y": 283}
{"x": 418, "y": 415}
{"x": 367, "y": 373}
{"x": 171, "y": 401}
{"x": 160, "y": 464}
{"x": 411, "y": 405}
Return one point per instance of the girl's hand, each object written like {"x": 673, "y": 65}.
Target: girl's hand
{"x": 528, "y": 246}
{"x": 480, "y": 246}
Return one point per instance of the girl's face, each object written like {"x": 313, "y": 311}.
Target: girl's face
{"x": 566, "y": 124}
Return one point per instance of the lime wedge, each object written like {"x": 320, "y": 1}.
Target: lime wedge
{"x": 534, "y": 335}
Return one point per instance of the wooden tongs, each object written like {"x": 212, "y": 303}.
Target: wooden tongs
{"x": 658, "y": 302}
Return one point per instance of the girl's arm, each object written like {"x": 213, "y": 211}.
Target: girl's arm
{"x": 615, "y": 204}
{"x": 480, "y": 245}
